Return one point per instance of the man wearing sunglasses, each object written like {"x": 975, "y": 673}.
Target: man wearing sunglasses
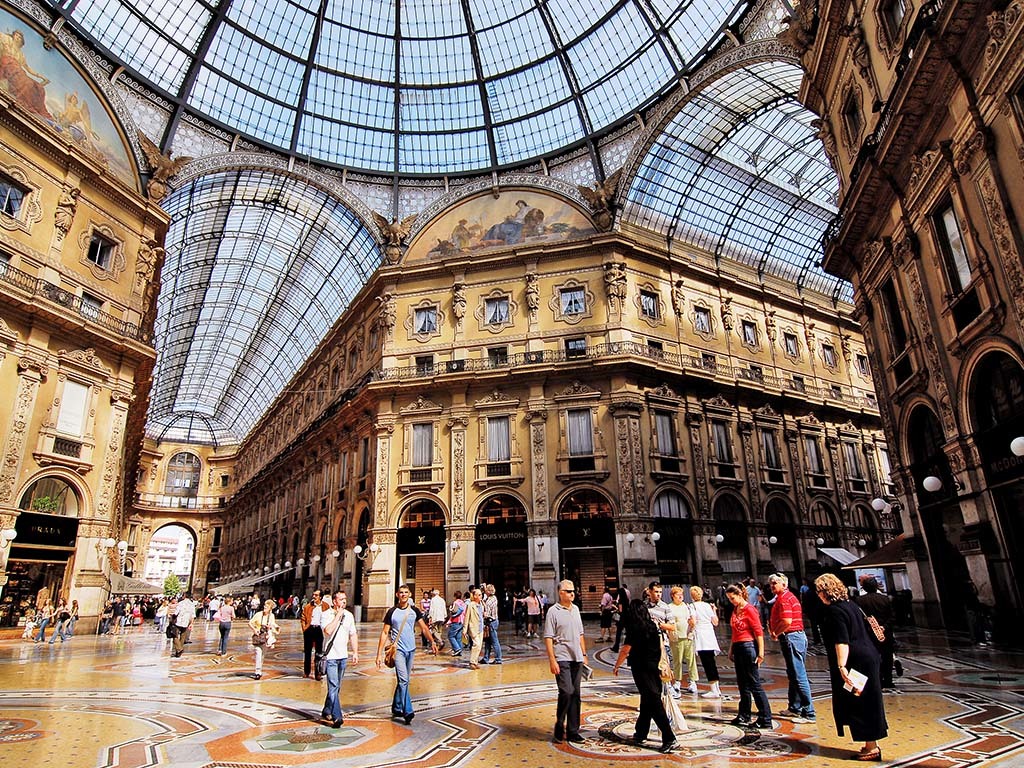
{"x": 567, "y": 653}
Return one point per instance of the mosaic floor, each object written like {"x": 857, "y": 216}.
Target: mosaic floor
{"x": 122, "y": 701}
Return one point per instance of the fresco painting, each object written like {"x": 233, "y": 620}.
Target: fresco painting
{"x": 485, "y": 223}
{"x": 46, "y": 84}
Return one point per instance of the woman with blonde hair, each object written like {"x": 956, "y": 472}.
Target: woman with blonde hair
{"x": 705, "y": 641}
{"x": 850, "y": 649}
{"x": 684, "y": 660}
{"x": 264, "y": 634}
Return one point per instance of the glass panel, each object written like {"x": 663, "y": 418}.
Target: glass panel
{"x": 498, "y": 444}
{"x": 422, "y": 445}
{"x": 665, "y": 433}
{"x": 71, "y": 419}
{"x": 581, "y": 436}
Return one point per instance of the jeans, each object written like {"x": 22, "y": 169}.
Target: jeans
{"x": 41, "y": 635}
{"x": 749, "y": 679}
{"x": 60, "y": 630}
{"x": 401, "y": 704}
{"x": 492, "y": 643}
{"x": 794, "y": 651}
{"x": 455, "y": 637}
{"x": 568, "y": 679}
{"x": 335, "y": 674}
{"x": 225, "y": 631}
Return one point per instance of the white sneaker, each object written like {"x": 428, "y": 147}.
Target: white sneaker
{"x": 712, "y": 694}
{"x": 691, "y": 688}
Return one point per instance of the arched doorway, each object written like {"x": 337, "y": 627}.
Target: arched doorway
{"x": 501, "y": 556}
{"x": 939, "y": 512}
{"x": 782, "y": 539}
{"x": 997, "y": 410}
{"x": 421, "y": 547}
{"x": 41, "y": 559}
{"x": 674, "y": 548}
{"x": 171, "y": 551}
{"x": 734, "y": 548}
{"x": 586, "y": 546}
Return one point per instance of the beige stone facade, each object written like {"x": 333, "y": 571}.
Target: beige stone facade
{"x": 922, "y": 105}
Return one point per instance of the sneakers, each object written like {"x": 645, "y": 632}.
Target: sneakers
{"x": 712, "y": 694}
{"x": 764, "y": 723}
{"x": 691, "y": 688}
{"x": 790, "y": 712}
{"x": 675, "y": 693}
{"x": 575, "y": 738}
{"x": 742, "y": 722}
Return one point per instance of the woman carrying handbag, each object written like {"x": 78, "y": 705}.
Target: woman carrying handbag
{"x": 264, "y": 634}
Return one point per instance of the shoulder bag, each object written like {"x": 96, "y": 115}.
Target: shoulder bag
{"x": 259, "y": 639}
{"x": 391, "y": 648}
{"x": 320, "y": 659}
{"x": 876, "y": 629}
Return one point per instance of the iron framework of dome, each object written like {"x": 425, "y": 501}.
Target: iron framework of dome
{"x": 417, "y": 87}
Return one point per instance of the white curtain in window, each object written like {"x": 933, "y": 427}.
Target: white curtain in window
{"x": 422, "y": 445}
{"x": 814, "y": 463}
{"x": 498, "y": 444}
{"x": 883, "y": 458}
{"x": 961, "y": 267}
{"x": 671, "y": 504}
{"x": 581, "y": 436}
{"x": 497, "y": 311}
{"x": 71, "y": 420}
{"x": 854, "y": 469}
{"x": 666, "y": 437}
{"x": 572, "y": 301}
{"x": 770, "y": 450}
{"x": 723, "y": 452}
{"x": 426, "y": 320}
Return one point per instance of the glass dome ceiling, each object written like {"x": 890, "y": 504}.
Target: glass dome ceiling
{"x": 416, "y": 87}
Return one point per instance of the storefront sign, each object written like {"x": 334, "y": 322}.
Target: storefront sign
{"x": 36, "y": 529}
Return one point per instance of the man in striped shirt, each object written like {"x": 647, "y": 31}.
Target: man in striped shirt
{"x": 786, "y": 625}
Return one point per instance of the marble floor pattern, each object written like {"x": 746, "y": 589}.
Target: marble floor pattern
{"x": 122, "y": 701}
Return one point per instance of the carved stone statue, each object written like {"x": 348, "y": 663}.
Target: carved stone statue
{"x": 65, "y": 213}
{"x": 532, "y": 291}
{"x": 161, "y": 166}
{"x": 388, "y": 316}
{"x": 828, "y": 139}
{"x": 615, "y": 282}
{"x": 727, "y": 313}
{"x": 678, "y": 298}
{"x": 459, "y": 301}
{"x": 802, "y": 27}
{"x": 601, "y": 199}
{"x": 393, "y": 234}
{"x": 149, "y": 256}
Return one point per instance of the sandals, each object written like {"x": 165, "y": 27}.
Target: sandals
{"x": 873, "y": 755}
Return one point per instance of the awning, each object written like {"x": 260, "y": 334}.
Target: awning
{"x": 887, "y": 556}
{"x": 267, "y": 576}
{"x": 842, "y": 556}
{"x": 230, "y": 587}
{"x": 123, "y": 585}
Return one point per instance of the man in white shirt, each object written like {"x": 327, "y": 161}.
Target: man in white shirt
{"x": 183, "y": 621}
{"x": 339, "y": 627}
{"x": 437, "y": 616}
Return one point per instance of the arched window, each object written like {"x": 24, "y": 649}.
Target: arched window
{"x": 671, "y": 504}
{"x": 52, "y": 496}
{"x": 183, "y": 474}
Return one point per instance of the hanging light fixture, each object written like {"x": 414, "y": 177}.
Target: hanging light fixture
{"x": 932, "y": 484}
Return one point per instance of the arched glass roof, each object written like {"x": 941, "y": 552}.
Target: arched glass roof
{"x": 258, "y": 268}
{"x": 413, "y": 87}
{"x": 740, "y": 172}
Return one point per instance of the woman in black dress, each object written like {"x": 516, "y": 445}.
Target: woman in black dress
{"x": 850, "y": 646}
{"x": 643, "y": 647}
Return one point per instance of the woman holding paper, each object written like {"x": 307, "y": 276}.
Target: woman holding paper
{"x": 853, "y": 663}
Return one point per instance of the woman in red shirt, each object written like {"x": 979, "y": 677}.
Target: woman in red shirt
{"x": 747, "y": 652}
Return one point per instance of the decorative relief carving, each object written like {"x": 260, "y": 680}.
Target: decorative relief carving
{"x": 615, "y": 285}
{"x": 421, "y": 404}
{"x": 931, "y": 351}
{"x": 626, "y": 490}
{"x": 532, "y": 294}
{"x": 1004, "y": 242}
{"x": 665, "y": 391}
{"x": 387, "y": 313}
{"x": 459, "y": 474}
{"x": 458, "y": 303}
{"x": 1000, "y": 23}
{"x": 693, "y": 420}
{"x": 823, "y": 130}
{"x": 769, "y": 326}
{"x": 601, "y": 199}
{"x": 150, "y": 254}
{"x": 14, "y": 447}
{"x": 920, "y": 166}
{"x": 746, "y": 436}
{"x": 383, "y": 473}
{"x": 964, "y": 155}
{"x": 801, "y": 26}
{"x": 678, "y": 298}
{"x": 577, "y": 389}
{"x": 85, "y": 358}
{"x": 538, "y": 439}
{"x": 726, "y": 312}
{"x": 161, "y": 167}
{"x": 497, "y": 398}
{"x": 111, "y": 464}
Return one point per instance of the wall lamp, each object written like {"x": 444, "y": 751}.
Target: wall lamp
{"x": 102, "y": 546}
{"x": 315, "y": 559}
{"x": 651, "y": 538}
{"x": 366, "y": 552}
{"x": 773, "y": 540}
{"x": 879, "y": 504}
{"x": 266, "y": 569}
{"x": 819, "y": 541}
{"x": 862, "y": 542}
{"x": 1017, "y": 446}
{"x": 287, "y": 563}
{"x": 300, "y": 562}
{"x": 277, "y": 566}
{"x": 336, "y": 554}
{"x": 455, "y": 547}
{"x": 540, "y": 545}
{"x": 719, "y": 538}
{"x": 7, "y": 536}
{"x": 932, "y": 484}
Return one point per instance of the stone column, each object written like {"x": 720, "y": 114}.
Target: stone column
{"x": 537, "y": 415}
{"x": 626, "y": 410}
{"x": 457, "y": 425}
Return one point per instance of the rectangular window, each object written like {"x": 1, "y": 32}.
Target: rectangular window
{"x": 708, "y": 361}
{"x": 723, "y": 449}
{"x": 798, "y": 384}
{"x": 815, "y": 463}
{"x": 854, "y": 466}
{"x": 885, "y": 471}
{"x": 862, "y": 365}
{"x": 649, "y": 305}
{"x": 574, "y": 301}
{"x": 581, "y": 440}
{"x": 951, "y": 242}
{"x": 828, "y": 354}
{"x": 749, "y": 333}
{"x": 893, "y": 13}
{"x": 225, "y": 480}
{"x": 665, "y": 433}
{"x": 12, "y": 195}
{"x": 770, "y": 449}
{"x": 91, "y": 306}
{"x": 894, "y": 318}
{"x": 791, "y": 344}
{"x": 836, "y": 391}
{"x": 702, "y": 320}
{"x": 499, "y": 448}
{"x": 426, "y": 320}
{"x": 100, "y": 251}
{"x": 497, "y": 355}
{"x": 496, "y": 310}
{"x": 71, "y": 419}
{"x": 424, "y": 364}
{"x": 364, "y": 457}
{"x": 422, "y": 445}
{"x": 576, "y": 347}
{"x": 656, "y": 348}
{"x": 5, "y": 262}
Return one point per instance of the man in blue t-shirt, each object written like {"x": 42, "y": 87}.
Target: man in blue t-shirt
{"x": 400, "y": 623}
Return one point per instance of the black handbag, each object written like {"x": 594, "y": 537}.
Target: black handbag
{"x": 172, "y": 630}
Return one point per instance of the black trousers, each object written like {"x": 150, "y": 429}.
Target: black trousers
{"x": 648, "y": 682}
{"x": 312, "y": 639}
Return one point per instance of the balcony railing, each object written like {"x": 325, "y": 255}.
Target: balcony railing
{"x": 170, "y": 501}
{"x": 38, "y": 288}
